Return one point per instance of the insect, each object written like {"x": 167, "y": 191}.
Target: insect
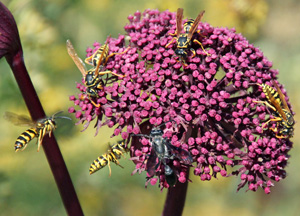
{"x": 93, "y": 77}
{"x": 184, "y": 41}
{"x": 162, "y": 151}
{"x": 38, "y": 129}
{"x": 101, "y": 55}
{"x": 283, "y": 115}
{"x": 112, "y": 155}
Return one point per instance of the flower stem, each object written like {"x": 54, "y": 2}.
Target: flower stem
{"x": 11, "y": 48}
{"x": 175, "y": 199}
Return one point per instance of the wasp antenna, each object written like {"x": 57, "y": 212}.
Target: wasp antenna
{"x": 64, "y": 117}
{"x": 59, "y": 112}
{"x": 101, "y": 57}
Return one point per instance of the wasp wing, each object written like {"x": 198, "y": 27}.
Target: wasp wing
{"x": 179, "y": 16}
{"x": 19, "y": 120}
{"x": 180, "y": 154}
{"x": 275, "y": 103}
{"x": 282, "y": 97}
{"x": 195, "y": 25}
{"x": 104, "y": 47}
{"x": 79, "y": 63}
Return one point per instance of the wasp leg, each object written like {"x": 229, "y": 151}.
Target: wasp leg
{"x": 198, "y": 42}
{"x": 42, "y": 133}
{"x": 275, "y": 130}
{"x": 272, "y": 120}
{"x": 170, "y": 42}
{"x": 24, "y": 147}
{"x": 199, "y": 32}
{"x": 96, "y": 105}
{"x": 88, "y": 60}
{"x": 173, "y": 34}
{"x": 280, "y": 137}
{"x": 118, "y": 163}
{"x": 182, "y": 62}
{"x": 112, "y": 54}
{"x": 108, "y": 72}
{"x": 266, "y": 103}
{"x": 193, "y": 51}
{"x": 114, "y": 155}
{"x": 118, "y": 152}
{"x": 108, "y": 163}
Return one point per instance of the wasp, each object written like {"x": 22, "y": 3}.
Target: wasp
{"x": 112, "y": 155}
{"x": 162, "y": 151}
{"x": 38, "y": 129}
{"x": 283, "y": 115}
{"x": 101, "y": 55}
{"x": 184, "y": 41}
{"x": 93, "y": 77}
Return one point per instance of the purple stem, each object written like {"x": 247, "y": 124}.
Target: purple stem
{"x": 175, "y": 199}
{"x": 11, "y": 48}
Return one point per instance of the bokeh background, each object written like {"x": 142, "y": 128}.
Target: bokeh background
{"x": 27, "y": 186}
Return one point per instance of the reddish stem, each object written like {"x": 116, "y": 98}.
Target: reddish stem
{"x": 175, "y": 199}
{"x": 10, "y": 47}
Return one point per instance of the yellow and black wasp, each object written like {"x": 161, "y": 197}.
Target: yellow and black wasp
{"x": 38, "y": 129}
{"x": 184, "y": 41}
{"x": 113, "y": 154}
{"x": 101, "y": 55}
{"x": 283, "y": 115}
{"x": 93, "y": 77}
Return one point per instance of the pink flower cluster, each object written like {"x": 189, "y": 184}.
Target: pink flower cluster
{"x": 210, "y": 99}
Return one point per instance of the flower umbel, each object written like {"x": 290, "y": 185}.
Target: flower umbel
{"x": 211, "y": 98}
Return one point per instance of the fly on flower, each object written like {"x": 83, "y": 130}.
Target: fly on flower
{"x": 38, "y": 129}
{"x": 112, "y": 155}
{"x": 93, "y": 77}
{"x": 162, "y": 151}
{"x": 184, "y": 41}
{"x": 284, "y": 117}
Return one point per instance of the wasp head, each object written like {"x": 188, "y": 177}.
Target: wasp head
{"x": 93, "y": 83}
{"x": 181, "y": 53}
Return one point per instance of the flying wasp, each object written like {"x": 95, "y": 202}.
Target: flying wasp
{"x": 93, "y": 77}
{"x": 184, "y": 41}
{"x": 283, "y": 115}
{"x": 38, "y": 129}
{"x": 113, "y": 154}
{"x": 162, "y": 151}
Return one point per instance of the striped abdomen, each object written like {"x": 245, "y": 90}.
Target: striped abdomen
{"x": 100, "y": 162}
{"x": 96, "y": 57}
{"x": 271, "y": 94}
{"x": 25, "y": 138}
{"x": 187, "y": 25}
{"x": 112, "y": 155}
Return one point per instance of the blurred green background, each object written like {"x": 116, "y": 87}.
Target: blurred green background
{"x": 27, "y": 186}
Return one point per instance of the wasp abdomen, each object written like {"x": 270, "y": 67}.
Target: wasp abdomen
{"x": 112, "y": 155}
{"x": 24, "y": 138}
{"x": 187, "y": 25}
{"x": 99, "y": 163}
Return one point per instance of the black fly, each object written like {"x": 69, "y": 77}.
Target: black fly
{"x": 162, "y": 151}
